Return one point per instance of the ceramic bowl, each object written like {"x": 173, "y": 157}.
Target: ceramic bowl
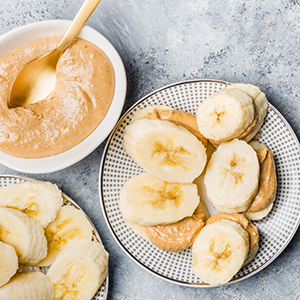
{"x": 27, "y": 33}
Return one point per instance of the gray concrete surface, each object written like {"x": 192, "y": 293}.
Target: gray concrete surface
{"x": 166, "y": 41}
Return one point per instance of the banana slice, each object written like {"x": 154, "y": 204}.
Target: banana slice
{"x": 165, "y": 150}
{"x": 258, "y": 215}
{"x": 8, "y": 263}
{"x": 177, "y": 117}
{"x": 247, "y": 225}
{"x": 148, "y": 200}
{"x": 79, "y": 270}
{"x": 70, "y": 223}
{"x": 39, "y": 200}
{"x": 225, "y": 115}
{"x": 25, "y": 234}
{"x": 219, "y": 251}
{"x": 232, "y": 177}
{"x": 28, "y": 286}
{"x": 260, "y": 106}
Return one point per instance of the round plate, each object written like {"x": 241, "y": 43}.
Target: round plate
{"x": 26, "y": 33}
{"x": 276, "y": 230}
{"x": 10, "y": 179}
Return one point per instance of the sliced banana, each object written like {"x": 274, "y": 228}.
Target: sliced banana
{"x": 70, "y": 223}
{"x": 8, "y": 263}
{"x": 79, "y": 270}
{"x": 39, "y": 200}
{"x": 148, "y": 200}
{"x": 219, "y": 251}
{"x": 165, "y": 150}
{"x": 232, "y": 177}
{"x": 225, "y": 115}
{"x": 247, "y": 225}
{"x": 177, "y": 117}
{"x": 258, "y": 215}
{"x": 28, "y": 286}
{"x": 25, "y": 234}
{"x": 260, "y": 105}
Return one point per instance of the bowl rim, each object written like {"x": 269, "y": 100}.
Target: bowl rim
{"x": 65, "y": 159}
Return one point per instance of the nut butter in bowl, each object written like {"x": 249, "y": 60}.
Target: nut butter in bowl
{"x": 76, "y": 116}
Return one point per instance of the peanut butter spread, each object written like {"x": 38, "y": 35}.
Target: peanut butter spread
{"x": 82, "y": 96}
{"x": 181, "y": 118}
{"x": 177, "y": 236}
{"x": 245, "y": 223}
{"x": 267, "y": 181}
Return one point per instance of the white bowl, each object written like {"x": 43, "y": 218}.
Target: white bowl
{"x": 27, "y": 33}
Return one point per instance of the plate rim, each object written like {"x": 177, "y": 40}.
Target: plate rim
{"x": 128, "y": 253}
{"x": 95, "y": 231}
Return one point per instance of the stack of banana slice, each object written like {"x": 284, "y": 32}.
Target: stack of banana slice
{"x": 174, "y": 148}
{"x": 162, "y": 204}
{"x": 37, "y": 229}
{"x": 227, "y": 242}
{"x": 241, "y": 175}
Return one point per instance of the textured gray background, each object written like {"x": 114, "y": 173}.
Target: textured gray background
{"x": 166, "y": 41}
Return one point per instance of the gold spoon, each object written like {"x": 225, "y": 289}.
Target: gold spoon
{"x": 37, "y": 79}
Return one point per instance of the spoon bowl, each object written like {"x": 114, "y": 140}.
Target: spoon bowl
{"x": 37, "y": 79}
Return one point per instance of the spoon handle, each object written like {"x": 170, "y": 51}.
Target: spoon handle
{"x": 80, "y": 19}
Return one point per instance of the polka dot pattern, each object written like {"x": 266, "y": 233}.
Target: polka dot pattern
{"x": 276, "y": 230}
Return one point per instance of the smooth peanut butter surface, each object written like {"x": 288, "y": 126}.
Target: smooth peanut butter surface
{"x": 82, "y": 96}
{"x": 267, "y": 181}
{"x": 177, "y": 236}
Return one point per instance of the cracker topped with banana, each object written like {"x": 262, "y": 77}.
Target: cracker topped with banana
{"x": 40, "y": 230}
{"x": 175, "y": 149}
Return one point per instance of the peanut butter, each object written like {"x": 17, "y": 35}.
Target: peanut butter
{"x": 177, "y": 236}
{"x": 247, "y": 225}
{"x": 267, "y": 181}
{"x": 80, "y": 100}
